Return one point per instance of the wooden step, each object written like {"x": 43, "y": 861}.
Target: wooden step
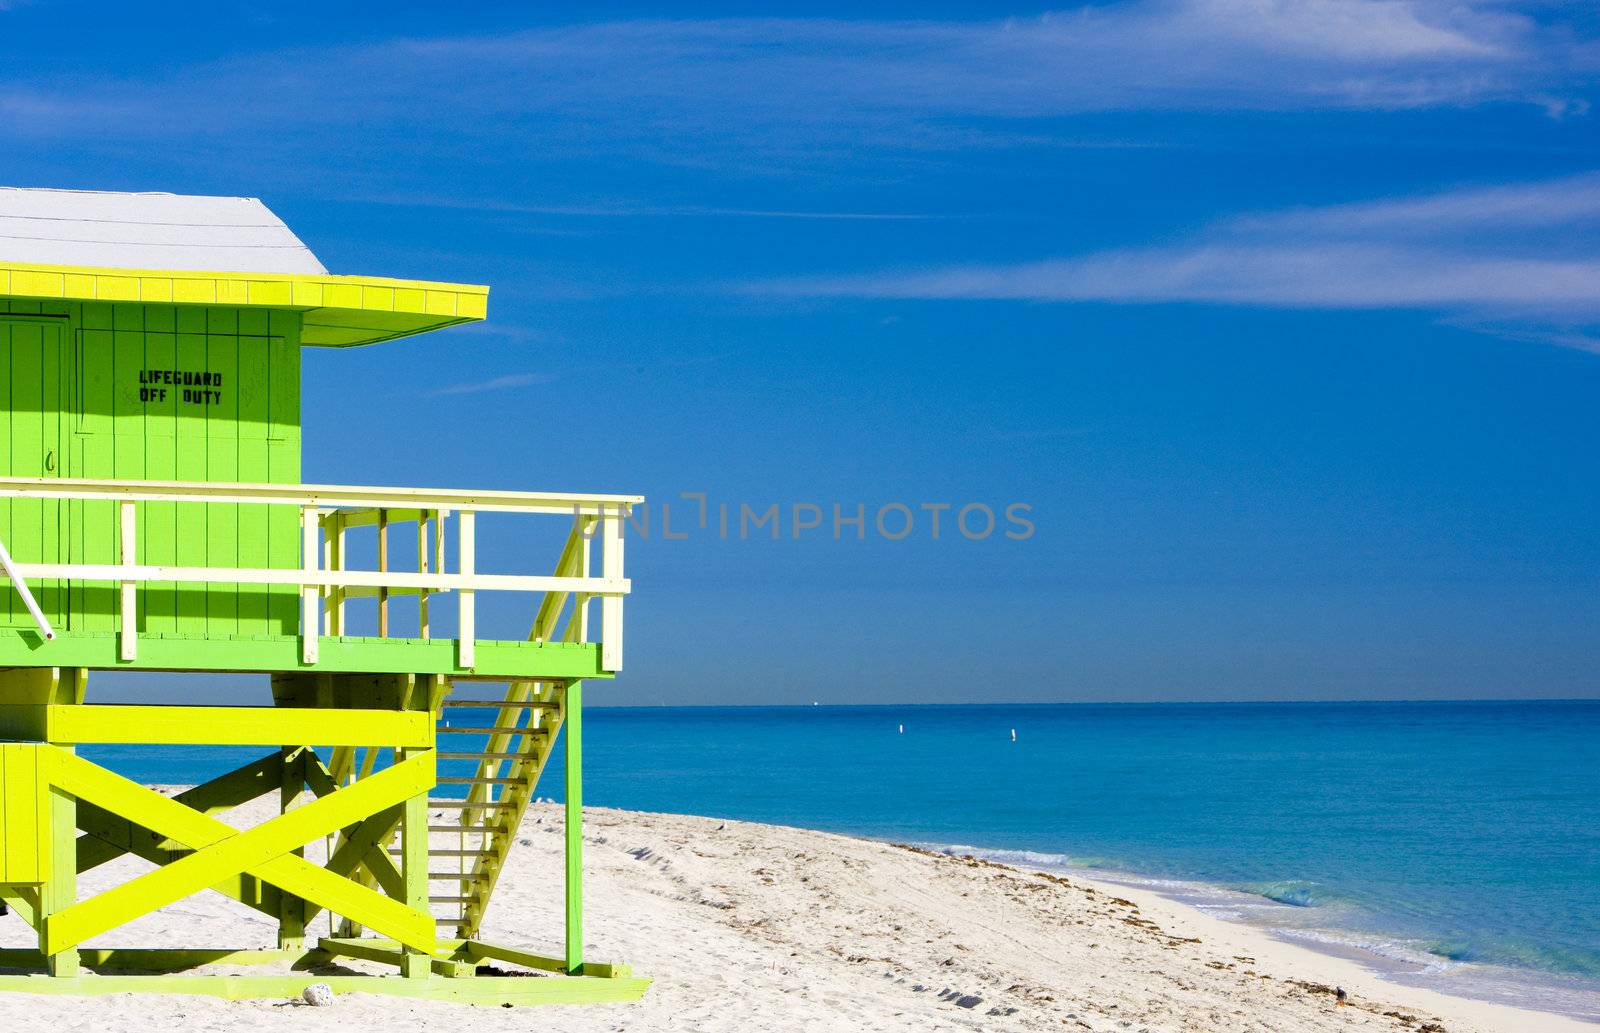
{"x": 500, "y": 704}
{"x": 462, "y": 805}
{"x": 455, "y": 877}
{"x": 475, "y": 780}
{"x": 451, "y": 900}
{"x": 470, "y": 830}
{"x": 440, "y": 852}
{"x": 497, "y": 730}
{"x": 481, "y": 756}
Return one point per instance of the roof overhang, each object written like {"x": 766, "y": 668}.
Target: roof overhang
{"x": 339, "y": 311}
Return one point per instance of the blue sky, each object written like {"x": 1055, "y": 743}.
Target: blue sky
{"x": 1283, "y": 318}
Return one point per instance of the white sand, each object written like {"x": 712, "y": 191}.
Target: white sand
{"x": 756, "y": 928}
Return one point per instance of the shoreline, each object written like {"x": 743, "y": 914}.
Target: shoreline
{"x": 1353, "y": 972}
{"x": 1399, "y": 966}
{"x": 759, "y": 928}
{"x": 1357, "y": 965}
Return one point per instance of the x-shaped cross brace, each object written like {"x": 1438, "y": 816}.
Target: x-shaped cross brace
{"x": 222, "y": 851}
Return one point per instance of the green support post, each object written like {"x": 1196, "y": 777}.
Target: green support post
{"x": 291, "y": 909}
{"x": 63, "y": 686}
{"x": 61, "y": 891}
{"x": 574, "y": 826}
{"x": 414, "y": 872}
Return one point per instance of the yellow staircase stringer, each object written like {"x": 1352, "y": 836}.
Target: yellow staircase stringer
{"x": 516, "y": 797}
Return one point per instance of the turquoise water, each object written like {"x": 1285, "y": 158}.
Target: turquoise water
{"x": 1456, "y": 845}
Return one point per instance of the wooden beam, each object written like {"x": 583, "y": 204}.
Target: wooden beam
{"x": 481, "y": 990}
{"x": 495, "y": 661}
{"x": 57, "y": 896}
{"x": 154, "y": 959}
{"x": 389, "y": 953}
{"x": 316, "y": 495}
{"x": 238, "y": 726}
{"x": 366, "y": 844}
{"x": 383, "y": 566}
{"x": 310, "y": 630}
{"x": 611, "y": 605}
{"x": 24, "y": 900}
{"x": 291, "y": 794}
{"x": 127, "y": 555}
{"x": 573, "y": 732}
{"x": 108, "y": 836}
{"x": 414, "y": 873}
{"x": 467, "y": 627}
{"x": 313, "y": 578}
{"x": 477, "y": 950}
{"x": 221, "y": 850}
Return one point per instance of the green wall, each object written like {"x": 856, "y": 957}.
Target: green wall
{"x": 153, "y": 392}
{"x": 32, "y": 416}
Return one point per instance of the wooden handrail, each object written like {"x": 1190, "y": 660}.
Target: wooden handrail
{"x": 333, "y": 509}
{"x": 17, "y": 573}
{"x": 321, "y": 495}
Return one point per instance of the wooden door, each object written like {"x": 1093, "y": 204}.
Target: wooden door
{"x": 35, "y": 385}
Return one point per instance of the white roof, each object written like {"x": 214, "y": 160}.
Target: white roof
{"x": 108, "y": 230}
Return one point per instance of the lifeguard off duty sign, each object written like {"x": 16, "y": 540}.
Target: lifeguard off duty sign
{"x": 196, "y": 387}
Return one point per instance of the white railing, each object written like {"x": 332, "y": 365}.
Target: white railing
{"x": 327, "y": 514}
{"x": 28, "y": 600}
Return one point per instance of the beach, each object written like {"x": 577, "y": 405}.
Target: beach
{"x": 752, "y": 927}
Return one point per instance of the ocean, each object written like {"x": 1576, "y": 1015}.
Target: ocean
{"x": 1451, "y": 845}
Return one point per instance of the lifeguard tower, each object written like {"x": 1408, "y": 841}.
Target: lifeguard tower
{"x": 153, "y": 519}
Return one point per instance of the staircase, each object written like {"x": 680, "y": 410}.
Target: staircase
{"x": 498, "y": 760}
{"x": 496, "y": 748}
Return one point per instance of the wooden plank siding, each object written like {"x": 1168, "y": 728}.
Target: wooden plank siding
{"x": 24, "y": 815}
{"x": 74, "y": 383}
{"x": 32, "y": 352}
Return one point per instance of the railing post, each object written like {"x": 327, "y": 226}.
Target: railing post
{"x": 127, "y": 539}
{"x": 337, "y": 594}
{"x": 422, "y": 568}
{"x": 611, "y": 605}
{"x": 383, "y": 565}
{"x": 309, "y": 594}
{"x": 467, "y": 630}
{"x": 578, "y": 623}
{"x": 572, "y": 735}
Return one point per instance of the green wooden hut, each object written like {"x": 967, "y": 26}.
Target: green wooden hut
{"x": 152, "y": 517}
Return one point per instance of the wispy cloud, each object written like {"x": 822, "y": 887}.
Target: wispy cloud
{"x": 1522, "y": 258}
{"x": 1562, "y": 337}
{"x": 624, "y": 209}
{"x": 810, "y": 90}
{"x": 508, "y": 331}
{"x": 1537, "y": 205}
{"x": 1313, "y": 274}
{"x": 510, "y": 380}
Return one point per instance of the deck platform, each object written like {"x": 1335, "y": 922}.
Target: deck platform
{"x": 153, "y": 519}
{"x": 267, "y": 654}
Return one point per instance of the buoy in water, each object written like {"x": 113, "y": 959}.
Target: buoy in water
{"x": 902, "y": 729}
{"x": 1013, "y": 735}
